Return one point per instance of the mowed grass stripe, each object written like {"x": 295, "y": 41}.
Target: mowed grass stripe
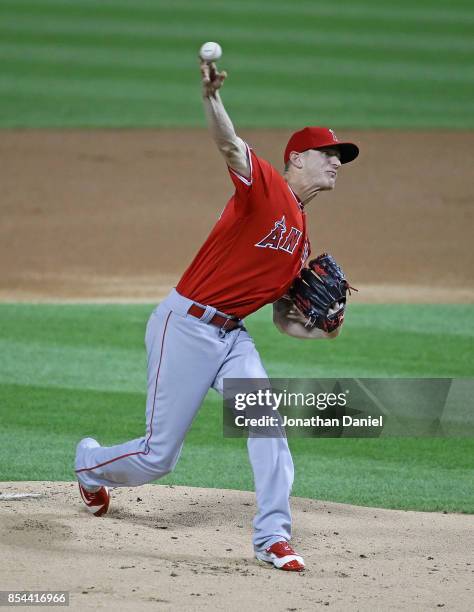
{"x": 361, "y": 46}
{"x": 172, "y": 27}
{"x": 68, "y": 62}
{"x": 70, "y": 367}
{"x": 312, "y": 100}
{"x": 73, "y": 111}
{"x": 312, "y": 108}
{"x": 458, "y": 13}
{"x": 159, "y": 36}
{"x": 396, "y": 317}
{"x": 102, "y": 348}
{"x": 105, "y": 369}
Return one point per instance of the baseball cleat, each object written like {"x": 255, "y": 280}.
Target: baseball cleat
{"x": 97, "y": 503}
{"x": 282, "y": 556}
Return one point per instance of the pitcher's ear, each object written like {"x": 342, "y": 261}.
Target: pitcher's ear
{"x": 296, "y": 159}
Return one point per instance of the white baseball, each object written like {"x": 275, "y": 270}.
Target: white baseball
{"x": 210, "y": 52}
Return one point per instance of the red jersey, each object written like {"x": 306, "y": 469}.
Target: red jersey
{"x": 256, "y": 248}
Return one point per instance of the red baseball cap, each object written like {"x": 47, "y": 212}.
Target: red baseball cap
{"x": 318, "y": 138}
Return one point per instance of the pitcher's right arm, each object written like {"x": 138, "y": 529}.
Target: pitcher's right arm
{"x": 232, "y": 147}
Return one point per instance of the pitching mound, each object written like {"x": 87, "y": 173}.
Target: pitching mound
{"x": 163, "y": 547}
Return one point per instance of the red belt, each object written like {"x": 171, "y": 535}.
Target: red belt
{"x": 225, "y": 323}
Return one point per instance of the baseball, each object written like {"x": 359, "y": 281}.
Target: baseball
{"x": 210, "y": 52}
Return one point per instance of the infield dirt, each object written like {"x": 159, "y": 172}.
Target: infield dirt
{"x": 178, "y": 548}
{"x": 106, "y": 215}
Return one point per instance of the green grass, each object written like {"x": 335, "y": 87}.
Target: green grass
{"x": 67, "y": 371}
{"x": 360, "y": 63}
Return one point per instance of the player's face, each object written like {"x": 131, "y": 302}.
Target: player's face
{"x": 321, "y": 166}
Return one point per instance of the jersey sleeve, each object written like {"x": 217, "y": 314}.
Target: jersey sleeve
{"x": 254, "y": 191}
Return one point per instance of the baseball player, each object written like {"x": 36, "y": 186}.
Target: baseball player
{"x": 196, "y": 338}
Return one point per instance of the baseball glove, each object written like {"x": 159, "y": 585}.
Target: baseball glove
{"x": 319, "y": 293}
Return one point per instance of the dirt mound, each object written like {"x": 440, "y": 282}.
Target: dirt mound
{"x": 168, "y": 548}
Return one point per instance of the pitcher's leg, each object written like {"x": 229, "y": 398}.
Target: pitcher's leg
{"x": 270, "y": 458}
{"x": 273, "y": 473}
{"x": 182, "y": 362}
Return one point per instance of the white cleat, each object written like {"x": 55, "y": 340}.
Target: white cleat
{"x": 282, "y": 556}
{"x": 96, "y": 501}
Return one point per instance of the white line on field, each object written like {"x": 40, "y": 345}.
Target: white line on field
{"x": 10, "y": 496}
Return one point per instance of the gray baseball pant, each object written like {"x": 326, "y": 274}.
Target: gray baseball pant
{"x": 187, "y": 356}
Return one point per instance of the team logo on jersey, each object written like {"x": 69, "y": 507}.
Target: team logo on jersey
{"x": 277, "y": 238}
{"x": 291, "y": 240}
{"x": 305, "y": 252}
{"x": 273, "y": 238}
